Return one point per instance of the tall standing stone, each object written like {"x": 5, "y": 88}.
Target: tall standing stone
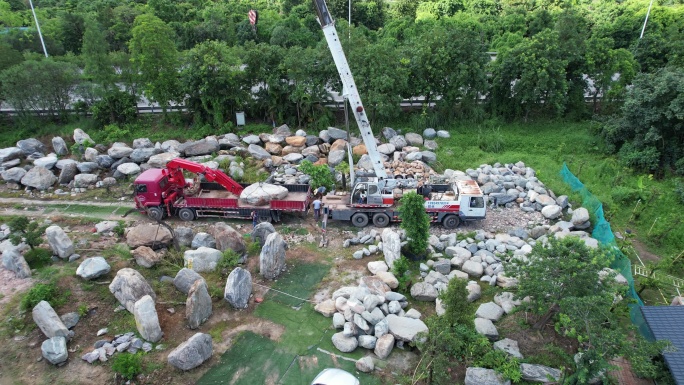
{"x": 391, "y": 246}
{"x": 272, "y": 257}
{"x": 198, "y": 305}
{"x": 146, "y": 319}
{"x": 60, "y": 243}
{"x": 238, "y": 288}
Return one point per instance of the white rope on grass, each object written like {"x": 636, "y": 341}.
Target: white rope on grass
{"x": 282, "y": 292}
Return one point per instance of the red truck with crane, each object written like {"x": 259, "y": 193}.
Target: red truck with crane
{"x": 166, "y": 193}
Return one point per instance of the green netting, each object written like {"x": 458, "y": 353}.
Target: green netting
{"x": 604, "y": 234}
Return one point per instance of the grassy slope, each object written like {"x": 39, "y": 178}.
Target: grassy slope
{"x": 545, "y": 146}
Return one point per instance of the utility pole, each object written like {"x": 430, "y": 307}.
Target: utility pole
{"x": 40, "y": 34}
{"x": 645, "y": 20}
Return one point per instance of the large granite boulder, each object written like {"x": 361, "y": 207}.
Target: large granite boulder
{"x": 59, "y": 146}
{"x": 482, "y": 376}
{"x": 80, "y": 137}
{"x": 203, "y": 239}
{"x": 384, "y": 346}
{"x": 13, "y": 261}
{"x": 31, "y": 145}
{"x": 238, "y": 288}
{"x": 54, "y": 350}
{"x": 423, "y": 291}
{"x": 201, "y": 147}
{"x": 10, "y": 153}
{"x": 92, "y": 268}
{"x": 258, "y": 152}
{"x": 486, "y": 328}
{"x": 146, "y": 257}
{"x": 146, "y": 319}
{"x": 261, "y": 194}
{"x": 404, "y": 328}
{"x": 185, "y": 278}
{"x": 85, "y": 180}
{"x": 345, "y": 344}
{"x": 129, "y": 286}
{"x": 60, "y": 243}
{"x": 490, "y": 311}
{"x": 14, "y": 174}
{"x": 198, "y": 305}
{"x": 39, "y": 178}
{"x": 272, "y": 257}
{"x": 508, "y": 346}
{"x": 261, "y": 232}
{"x": 391, "y": 246}
{"x": 48, "y": 321}
{"x": 203, "y": 259}
{"x": 539, "y": 373}
{"x": 228, "y": 238}
{"x": 154, "y": 236}
{"x": 192, "y": 353}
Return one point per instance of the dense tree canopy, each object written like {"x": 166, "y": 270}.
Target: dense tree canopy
{"x": 552, "y": 56}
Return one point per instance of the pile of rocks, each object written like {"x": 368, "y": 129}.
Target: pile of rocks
{"x": 105, "y": 348}
{"x": 371, "y": 316}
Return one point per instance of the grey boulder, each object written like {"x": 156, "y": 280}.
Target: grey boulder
{"x": 185, "y": 278}
{"x": 391, "y": 246}
{"x": 343, "y": 343}
{"x": 238, "y": 288}
{"x": 13, "y": 261}
{"x": 54, "y": 350}
{"x": 486, "y": 328}
{"x": 150, "y": 235}
{"x": 228, "y": 238}
{"x": 59, "y": 146}
{"x": 60, "y": 243}
{"x": 261, "y": 232}
{"x": 192, "y": 353}
{"x": 203, "y": 240}
{"x": 14, "y": 174}
{"x": 482, "y": 376}
{"x": 539, "y": 373}
{"x": 198, "y": 305}
{"x": 490, "y": 311}
{"x": 129, "y": 286}
{"x": 423, "y": 291}
{"x": 146, "y": 319}
{"x": 48, "y": 321}
{"x": 39, "y": 178}
{"x": 258, "y": 152}
{"x": 405, "y": 329}
{"x": 508, "y": 346}
{"x": 203, "y": 259}
{"x": 272, "y": 257}
{"x": 92, "y": 268}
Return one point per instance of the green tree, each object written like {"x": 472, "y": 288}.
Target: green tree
{"x": 648, "y": 133}
{"x": 44, "y": 85}
{"x": 558, "y": 270}
{"x": 530, "y": 78}
{"x": 307, "y": 74}
{"x": 24, "y": 230}
{"x": 154, "y": 55}
{"x": 320, "y": 174}
{"x": 95, "y": 53}
{"x": 602, "y": 63}
{"x": 415, "y": 221}
{"x": 212, "y": 82}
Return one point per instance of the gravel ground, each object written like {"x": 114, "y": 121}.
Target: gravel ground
{"x": 10, "y": 285}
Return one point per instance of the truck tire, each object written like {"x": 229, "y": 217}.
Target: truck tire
{"x": 451, "y": 221}
{"x": 265, "y": 218}
{"x": 359, "y": 220}
{"x": 381, "y": 220}
{"x": 186, "y": 214}
{"x": 155, "y": 213}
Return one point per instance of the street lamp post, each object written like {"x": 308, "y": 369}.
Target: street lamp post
{"x": 38, "y": 27}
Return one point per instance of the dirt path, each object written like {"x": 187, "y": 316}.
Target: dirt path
{"x": 43, "y": 208}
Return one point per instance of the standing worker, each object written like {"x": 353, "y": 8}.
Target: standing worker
{"x": 255, "y": 219}
{"x": 317, "y": 209}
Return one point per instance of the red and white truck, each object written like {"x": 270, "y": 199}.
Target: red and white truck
{"x": 166, "y": 193}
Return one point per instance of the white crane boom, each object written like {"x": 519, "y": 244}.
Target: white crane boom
{"x": 352, "y": 93}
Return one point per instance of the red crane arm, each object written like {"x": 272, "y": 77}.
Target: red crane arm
{"x": 211, "y": 175}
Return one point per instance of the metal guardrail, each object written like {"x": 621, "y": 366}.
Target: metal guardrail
{"x": 664, "y": 278}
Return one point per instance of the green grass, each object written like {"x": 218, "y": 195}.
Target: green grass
{"x": 295, "y": 358}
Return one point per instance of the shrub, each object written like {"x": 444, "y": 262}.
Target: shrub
{"x": 621, "y": 194}
{"x": 508, "y": 367}
{"x": 415, "y": 222}
{"x": 400, "y": 269}
{"x": 27, "y": 231}
{"x": 44, "y": 292}
{"x": 38, "y": 257}
{"x": 229, "y": 260}
{"x": 127, "y": 365}
{"x": 120, "y": 229}
{"x": 82, "y": 310}
{"x": 118, "y": 107}
{"x": 320, "y": 174}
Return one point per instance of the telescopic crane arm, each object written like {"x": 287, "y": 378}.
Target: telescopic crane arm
{"x": 352, "y": 93}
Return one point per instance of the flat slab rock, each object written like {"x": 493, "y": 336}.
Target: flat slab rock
{"x": 481, "y": 376}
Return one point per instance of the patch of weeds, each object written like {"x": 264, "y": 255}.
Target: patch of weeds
{"x": 216, "y": 332}
{"x": 121, "y": 322}
{"x": 253, "y": 248}
{"x": 229, "y": 260}
{"x": 464, "y": 236}
{"x": 119, "y": 229}
{"x": 87, "y": 286}
{"x": 44, "y": 292}
{"x": 285, "y": 230}
{"x": 215, "y": 292}
{"x": 47, "y": 273}
{"x": 82, "y": 310}
{"x": 301, "y": 231}
{"x": 127, "y": 365}
{"x": 38, "y": 258}
{"x": 119, "y": 250}
{"x": 507, "y": 366}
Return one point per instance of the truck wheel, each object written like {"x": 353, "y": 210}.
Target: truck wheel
{"x": 451, "y": 221}
{"x": 155, "y": 213}
{"x": 265, "y": 218}
{"x": 381, "y": 220}
{"x": 359, "y": 220}
{"x": 186, "y": 214}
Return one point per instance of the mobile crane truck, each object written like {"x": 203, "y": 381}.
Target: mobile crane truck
{"x": 373, "y": 199}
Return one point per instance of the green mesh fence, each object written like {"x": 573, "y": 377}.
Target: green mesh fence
{"x": 604, "y": 234}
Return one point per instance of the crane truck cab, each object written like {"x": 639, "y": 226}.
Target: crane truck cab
{"x": 370, "y": 193}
